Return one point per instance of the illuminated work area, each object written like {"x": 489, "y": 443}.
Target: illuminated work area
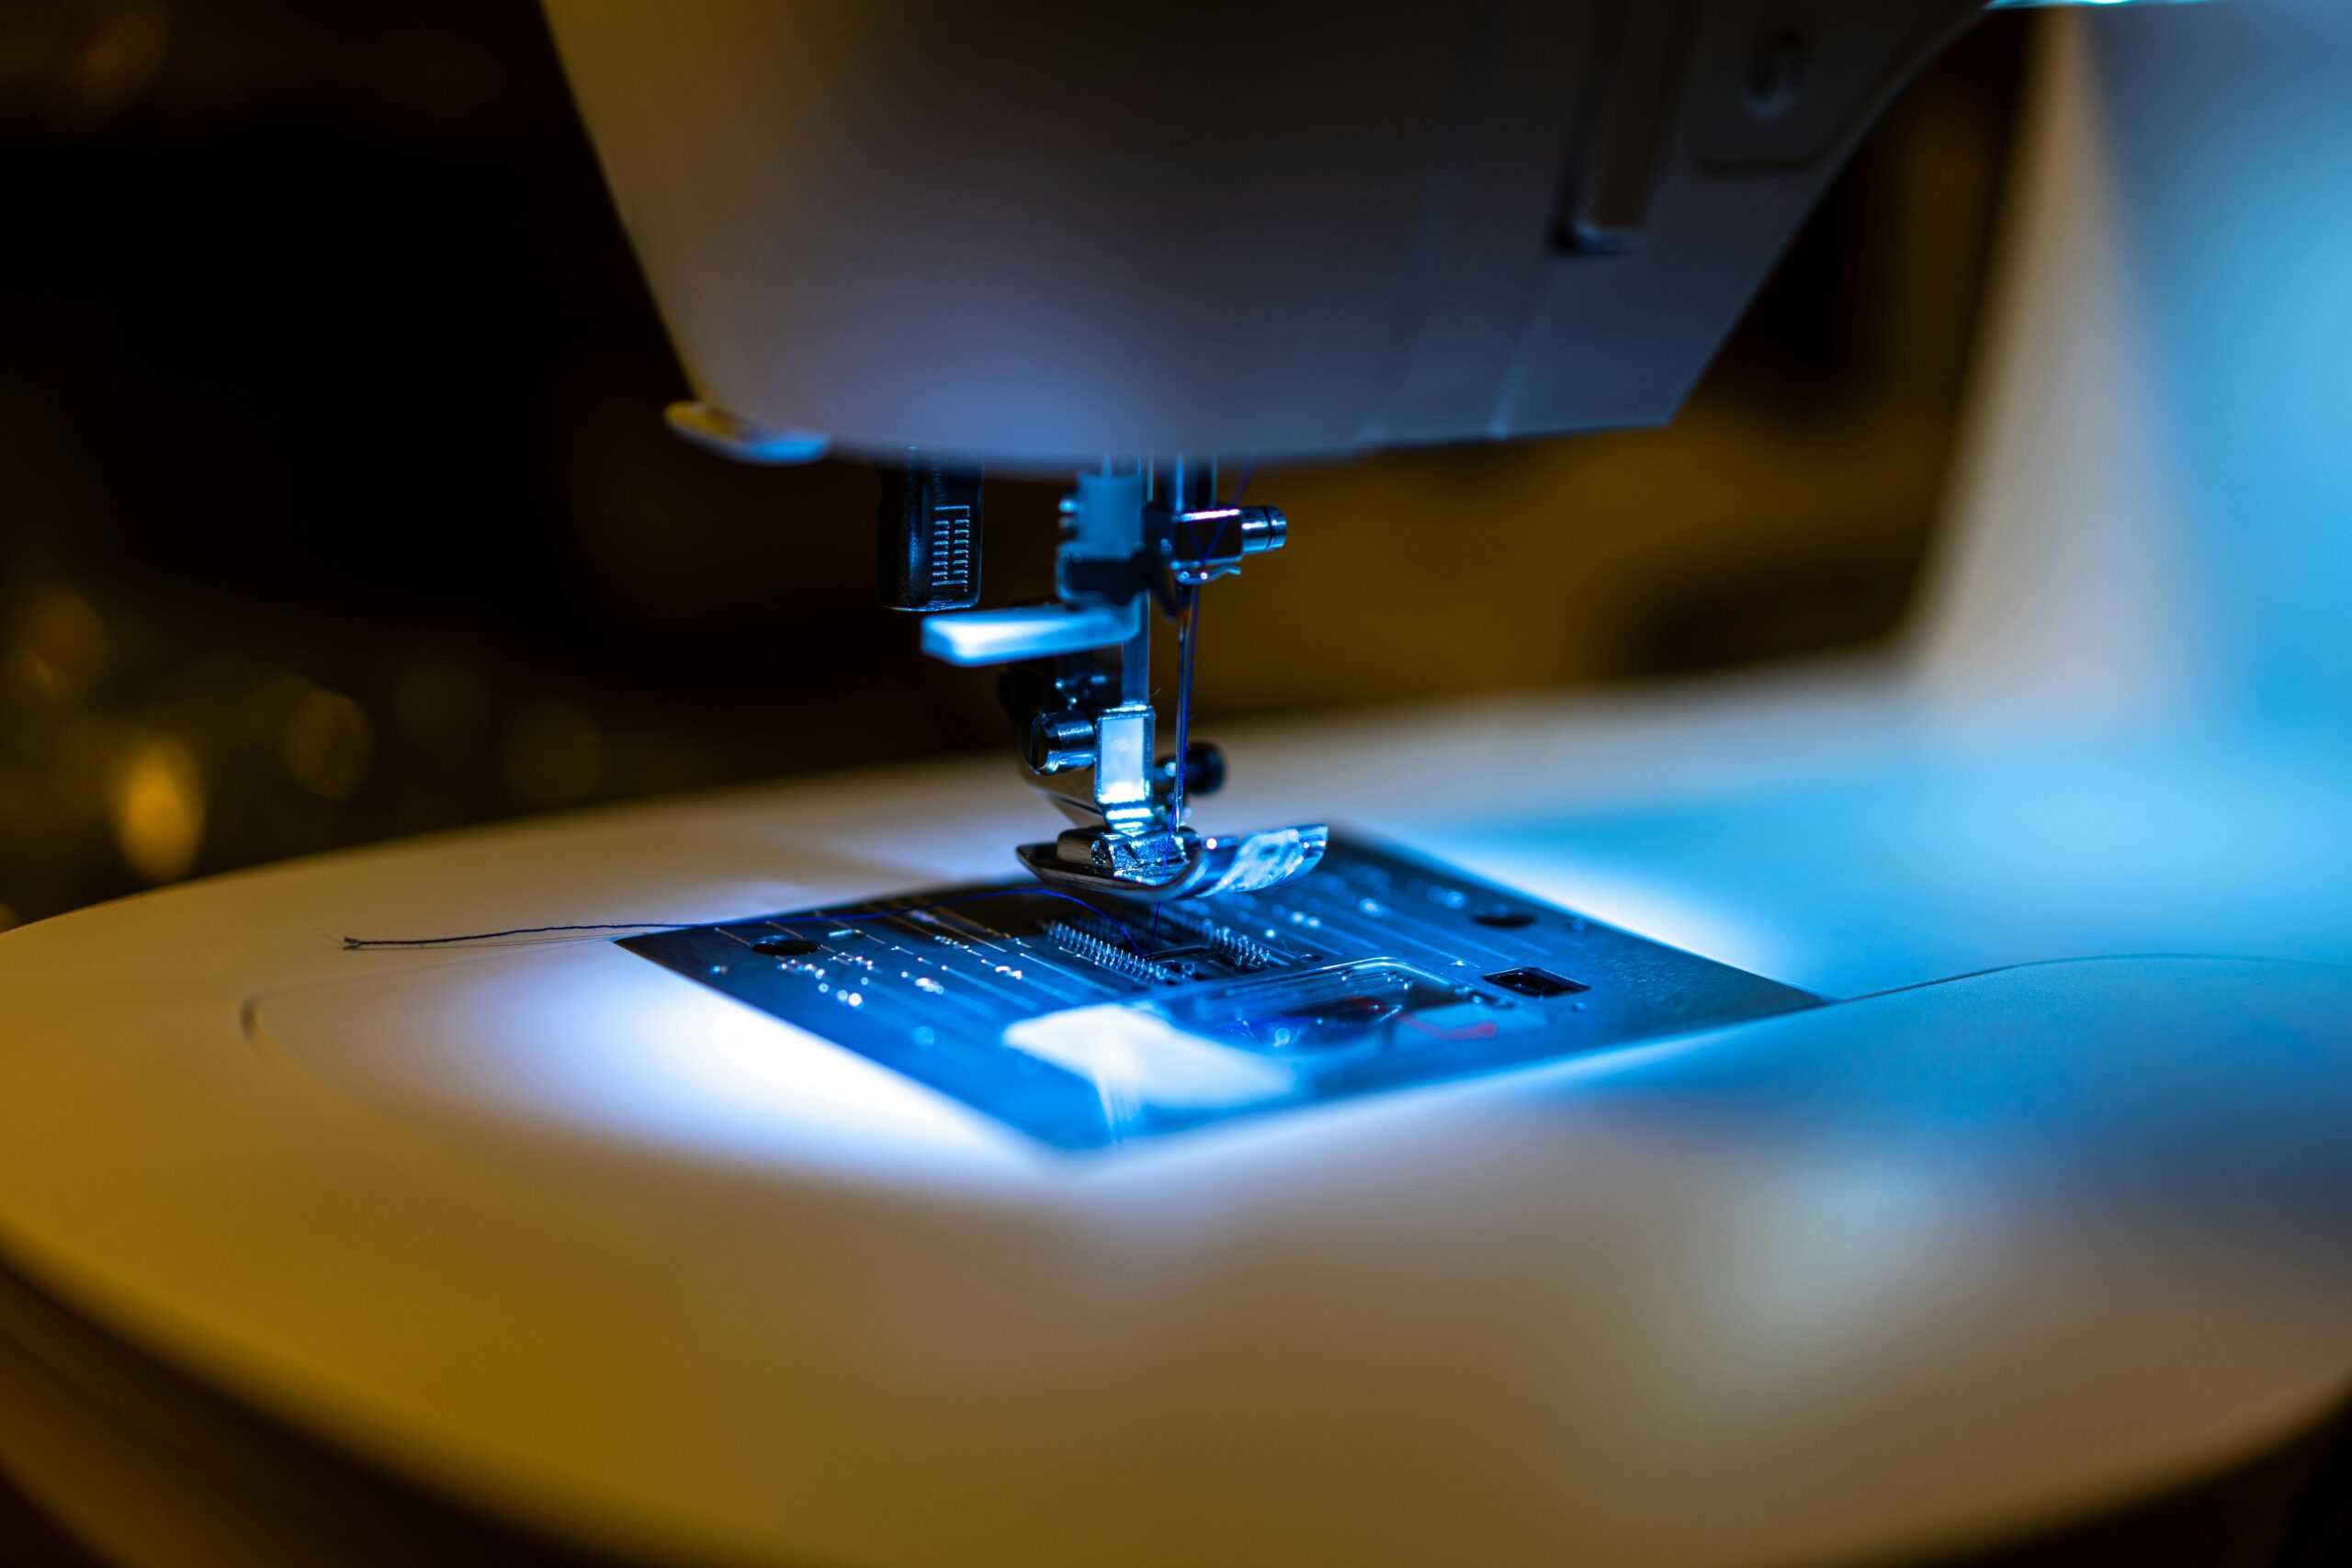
{"x": 1568, "y": 784}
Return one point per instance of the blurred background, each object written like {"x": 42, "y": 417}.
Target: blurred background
{"x": 335, "y": 502}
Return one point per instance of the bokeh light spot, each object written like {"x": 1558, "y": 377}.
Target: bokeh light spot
{"x": 156, "y": 805}
{"x": 326, "y": 744}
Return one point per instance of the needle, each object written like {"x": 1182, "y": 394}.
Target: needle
{"x": 1188, "y": 641}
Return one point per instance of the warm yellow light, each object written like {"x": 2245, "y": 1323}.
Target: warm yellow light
{"x": 155, "y": 800}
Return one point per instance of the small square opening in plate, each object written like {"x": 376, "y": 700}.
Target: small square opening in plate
{"x": 1532, "y": 980}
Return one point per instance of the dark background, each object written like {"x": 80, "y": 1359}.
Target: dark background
{"x": 335, "y": 502}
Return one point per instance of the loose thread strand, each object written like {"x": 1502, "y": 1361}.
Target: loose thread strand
{"x": 357, "y": 943}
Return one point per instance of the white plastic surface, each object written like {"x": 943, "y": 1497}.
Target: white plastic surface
{"x": 560, "y": 1232}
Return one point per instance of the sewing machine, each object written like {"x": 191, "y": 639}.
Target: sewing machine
{"x": 1325, "y": 245}
{"x": 1878, "y": 1114}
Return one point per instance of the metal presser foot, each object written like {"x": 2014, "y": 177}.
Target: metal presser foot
{"x": 1195, "y": 866}
{"x": 1137, "y": 540}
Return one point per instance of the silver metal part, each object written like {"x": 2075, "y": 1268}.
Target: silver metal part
{"x": 1238, "y": 948}
{"x": 1204, "y": 545}
{"x": 1124, "y": 790}
{"x": 1079, "y": 683}
{"x": 1103, "y": 950}
{"x": 1248, "y": 862}
{"x": 1059, "y": 742}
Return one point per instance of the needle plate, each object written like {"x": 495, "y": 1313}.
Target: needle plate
{"x": 1089, "y": 1022}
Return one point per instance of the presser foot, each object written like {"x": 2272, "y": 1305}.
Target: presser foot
{"x": 1175, "y": 864}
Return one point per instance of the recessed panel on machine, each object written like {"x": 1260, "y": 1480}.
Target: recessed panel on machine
{"x": 1087, "y": 1022}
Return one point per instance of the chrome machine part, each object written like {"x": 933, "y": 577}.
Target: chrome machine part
{"x": 1078, "y": 676}
{"x": 1178, "y": 865}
